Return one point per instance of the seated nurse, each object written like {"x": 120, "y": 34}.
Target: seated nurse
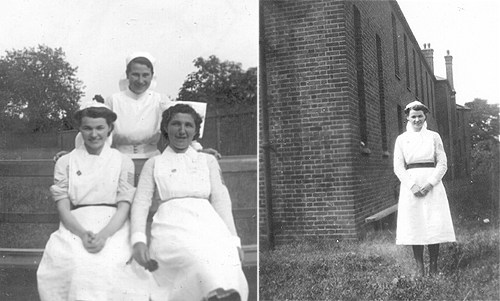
{"x": 193, "y": 235}
{"x": 93, "y": 189}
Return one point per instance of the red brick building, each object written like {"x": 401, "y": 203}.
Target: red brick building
{"x": 335, "y": 78}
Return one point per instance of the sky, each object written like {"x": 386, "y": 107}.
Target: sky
{"x": 470, "y": 30}
{"x": 97, "y": 35}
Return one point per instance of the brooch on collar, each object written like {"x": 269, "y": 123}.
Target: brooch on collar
{"x": 78, "y": 173}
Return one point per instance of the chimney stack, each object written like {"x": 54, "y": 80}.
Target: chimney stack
{"x": 429, "y": 55}
{"x": 449, "y": 68}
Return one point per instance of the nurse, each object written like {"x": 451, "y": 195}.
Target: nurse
{"x": 193, "y": 235}
{"x": 423, "y": 211}
{"x": 93, "y": 190}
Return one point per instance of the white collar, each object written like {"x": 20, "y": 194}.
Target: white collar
{"x": 190, "y": 152}
{"x": 409, "y": 127}
{"x": 134, "y": 95}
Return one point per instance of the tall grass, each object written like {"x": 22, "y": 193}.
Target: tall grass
{"x": 377, "y": 269}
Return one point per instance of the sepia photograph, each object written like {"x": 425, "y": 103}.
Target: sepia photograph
{"x": 128, "y": 150}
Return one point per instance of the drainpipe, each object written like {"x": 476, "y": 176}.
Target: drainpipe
{"x": 265, "y": 129}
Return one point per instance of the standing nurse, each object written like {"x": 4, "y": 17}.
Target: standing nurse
{"x": 423, "y": 211}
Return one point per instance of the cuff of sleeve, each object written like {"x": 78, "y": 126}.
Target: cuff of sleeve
{"x": 433, "y": 181}
{"x": 126, "y": 196}
{"x": 236, "y": 241}
{"x": 138, "y": 237}
{"x": 196, "y": 145}
{"x": 409, "y": 184}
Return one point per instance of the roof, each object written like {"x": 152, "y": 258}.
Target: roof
{"x": 460, "y": 107}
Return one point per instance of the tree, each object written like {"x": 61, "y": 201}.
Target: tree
{"x": 484, "y": 135}
{"x": 483, "y": 120}
{"x": 220, "y": 84}
{"x": 38, "y": 89}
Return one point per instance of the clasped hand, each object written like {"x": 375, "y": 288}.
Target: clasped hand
{"x": 92, "y": 242}
{"x": 421, "y": 191}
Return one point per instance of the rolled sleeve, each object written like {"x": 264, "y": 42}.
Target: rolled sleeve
{"x": 126, "y": 189}
{"x": 59, "y": 190}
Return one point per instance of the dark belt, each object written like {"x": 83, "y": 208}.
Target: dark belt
{"x": 420, "y": 165}
{"x": 88, "y": 205}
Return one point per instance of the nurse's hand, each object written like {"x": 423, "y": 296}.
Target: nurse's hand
{"x": 241, "y": 254}
{"x": 141, "y": 254}
{"x": 426, "y": 189}
{"x": 97, "y": 243}
{"x": 212, "y": 152}
{"x": 59, "y": 155}
{"x": 416, "y": 190}
{"x": 87, "y": 240}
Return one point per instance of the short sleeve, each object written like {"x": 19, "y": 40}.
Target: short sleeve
{"x": 126, "y": 187}
{"x": 109, "y": 102}
{"x": 59, "y": 189}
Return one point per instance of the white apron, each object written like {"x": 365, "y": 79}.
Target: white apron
{"x": 195, "y": 252}
{"x": 423, "y": 220}
{"x": 68, "y": 272}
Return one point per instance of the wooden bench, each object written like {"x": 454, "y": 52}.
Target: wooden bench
{"x": 377, "y": 217}
{"x": 30, "y": 258}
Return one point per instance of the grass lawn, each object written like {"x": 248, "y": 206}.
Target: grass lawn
{"x": 377, "y": 269}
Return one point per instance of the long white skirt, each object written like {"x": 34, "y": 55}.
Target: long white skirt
{"x": 196, "y": 255}
{"x": 68, "y": 272}
{"x": 424, "y": 220}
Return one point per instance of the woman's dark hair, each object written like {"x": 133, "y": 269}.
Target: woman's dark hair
{"x": 98, "y": 98}
{"x": 96, "y": 112}
{"x": 422, "y": 108}
{"x": 180, "y": 108}
{"x": 142, "y": 61}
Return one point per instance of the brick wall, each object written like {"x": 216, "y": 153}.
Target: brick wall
{"x": 324, "y": 183}
{"x": 310, "y": 119}
{"x": 445, "y": 107}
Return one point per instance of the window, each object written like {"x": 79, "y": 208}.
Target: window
{"x": 422, "y": 83}
{"x": 415, "y": 73}
{"x": 381, "y": 93}
{"x": 407, "y": 63}
{"x": 432, "y": 100}
{"x": 358, "y": 41}
{"x": 395, "y": 45}
{"x": 427, "y": 84}
{"x": 400, "y": 119}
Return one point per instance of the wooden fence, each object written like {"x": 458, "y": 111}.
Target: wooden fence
{"x": 239, "y": 172}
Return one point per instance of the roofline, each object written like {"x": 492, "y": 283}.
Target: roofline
{"x": 409, "y": 32}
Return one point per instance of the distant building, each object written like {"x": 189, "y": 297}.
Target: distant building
{"x": 337, "y": 76}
